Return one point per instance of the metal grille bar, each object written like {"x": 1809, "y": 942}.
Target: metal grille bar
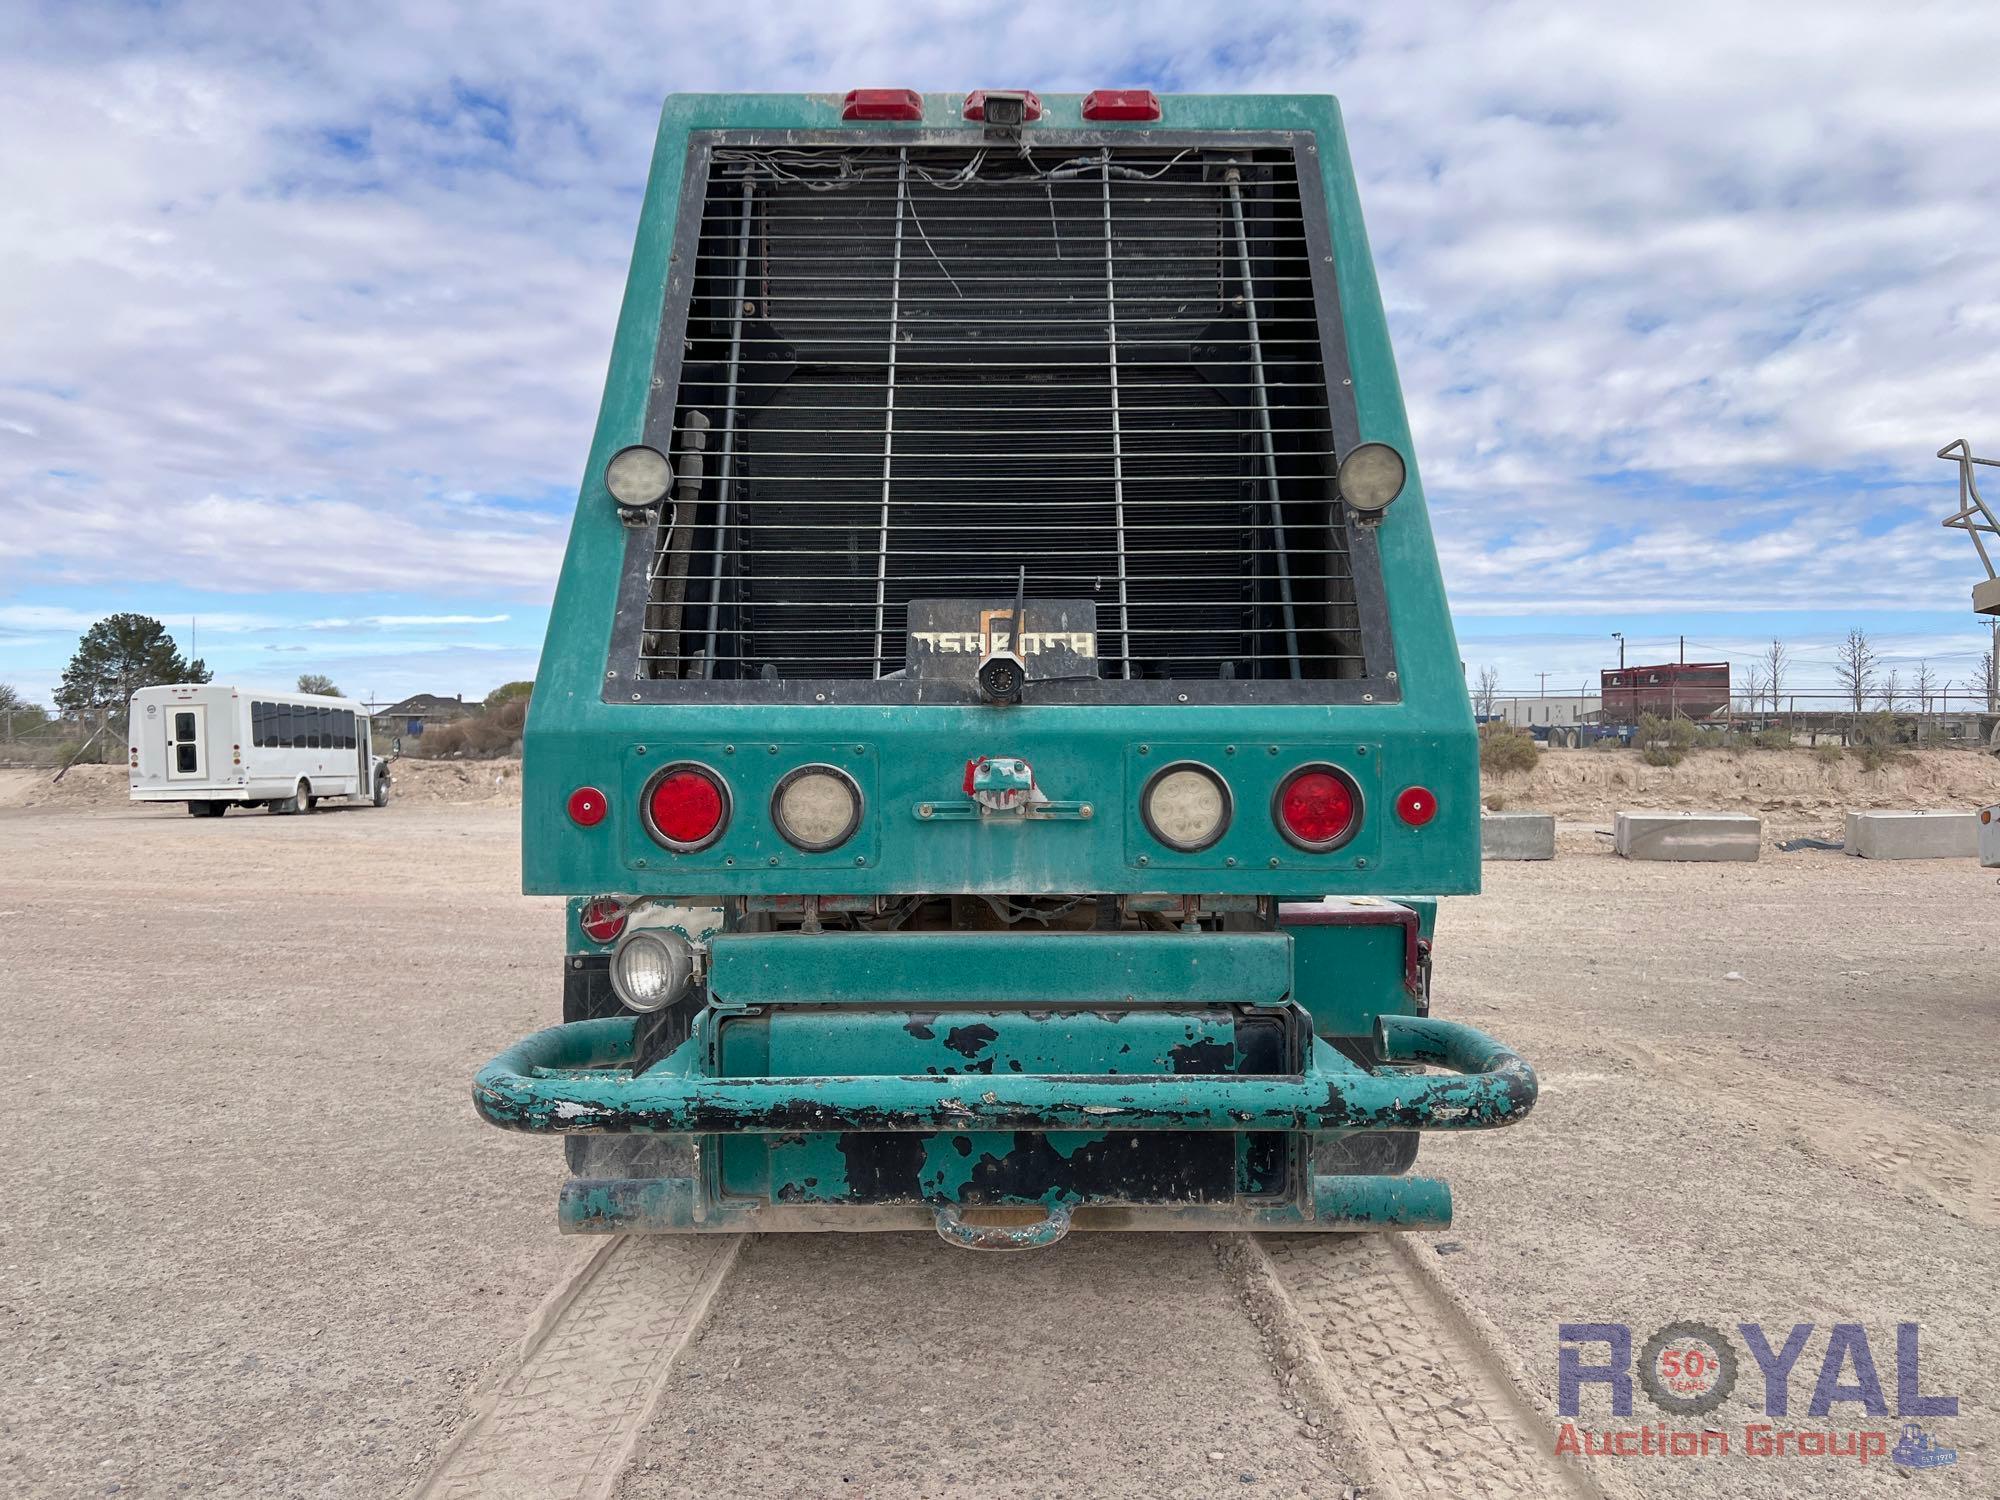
{"x": 920, "y": 369}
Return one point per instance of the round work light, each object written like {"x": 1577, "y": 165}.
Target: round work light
{"x": 1371, "y": 476}
{"x": 817, "y": 808}
{"x": 1186, "y": 806}
{"x": 638, "y": 477}
{"x": 651, "y": 968}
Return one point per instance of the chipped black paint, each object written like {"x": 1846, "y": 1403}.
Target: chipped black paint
{"x": 970, "y": 1041}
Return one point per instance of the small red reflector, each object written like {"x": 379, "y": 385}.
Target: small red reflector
{"x": 882, "y": 104}
{"x": 685, "y": 807}
{"x": 1318, "y": 808}
{"x": 603, "y": 919}
{"x": 975, "y": 104}
{"x": 1416, "y": 806}
{"x": 587, "y": 806}
{"x": 1121, "y": 104}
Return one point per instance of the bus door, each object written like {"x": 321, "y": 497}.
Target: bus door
{"x": 187, "y": 742}
{"x": 363, "y": 762}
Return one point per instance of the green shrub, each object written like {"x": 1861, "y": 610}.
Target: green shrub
{"x": 1772, "y": 739}
{"x": 1829, "y": 754}
{"x": 1662, "y": 754}
{"x": 482, "y": 736}
{"x": 1874, "y": 756}
{"x": 1503, "y": 749}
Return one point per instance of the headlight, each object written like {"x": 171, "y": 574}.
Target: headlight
{"x": 638, "y": 476}
{"x": 1186, "y": 806}
{"x": 651, "y": 968}
{"x": 817, "y": 808}
{"x": 1371, "y": 476}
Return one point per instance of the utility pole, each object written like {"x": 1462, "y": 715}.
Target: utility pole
{"x": 1684, "y": 650}
{"x": 1619, "y": 637}
{"x": 1545, "y": 683}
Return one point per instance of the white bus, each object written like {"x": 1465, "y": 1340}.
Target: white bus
{"x": 211, "y": 746}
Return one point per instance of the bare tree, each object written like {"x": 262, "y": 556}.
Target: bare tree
{"x": 1854, "y": 668}
{"x": 1925, "y": 686}
{"x": 1989, "y": 681}
{"x": 1892, "y": 689}
{"x": 1777, "y": 661}
{"x": 1485, "y": 692}
{"x": 1753, "y": 686}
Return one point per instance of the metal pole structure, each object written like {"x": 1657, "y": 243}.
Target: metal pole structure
{"x": 1117, "y": 438}
{"x": 728, "y": 432}
{"x": 889, "y": 411}
{"x": 1235, "y": 180}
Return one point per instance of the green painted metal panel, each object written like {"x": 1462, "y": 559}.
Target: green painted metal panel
{"x": 1346, "y": 977}
{"x": 576, "y": 738}
{"x": 1001, "y": 968}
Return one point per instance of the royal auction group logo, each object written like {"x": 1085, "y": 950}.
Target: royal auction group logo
{"x": 1689, "y": 1369}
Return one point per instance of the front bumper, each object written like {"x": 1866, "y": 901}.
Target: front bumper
{"x": 580, "y": 1078}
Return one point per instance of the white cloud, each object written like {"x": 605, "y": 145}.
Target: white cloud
{"x": 280, "y": 315}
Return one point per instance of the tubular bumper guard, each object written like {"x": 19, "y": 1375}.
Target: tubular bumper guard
{"x": 577, "y": 1079}
{"x": 574, "y": 1079}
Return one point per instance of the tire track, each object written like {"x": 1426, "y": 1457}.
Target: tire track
{"x": 564, "y": 1420}
{"x": 1428, "y": 1399}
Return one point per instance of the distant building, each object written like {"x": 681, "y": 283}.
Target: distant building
{"x": 418, "y": 712}
{"x": 1534, "y": 710}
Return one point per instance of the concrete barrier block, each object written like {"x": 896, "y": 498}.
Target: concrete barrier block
{"x": 1913, "y": 835}
{"x": 1688, "y": 835}
{"x": 1517, "y": 835}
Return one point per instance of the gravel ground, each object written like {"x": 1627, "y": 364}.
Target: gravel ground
{"x": 253, "y": 1240}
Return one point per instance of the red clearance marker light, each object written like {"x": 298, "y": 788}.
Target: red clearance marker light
{"x": 1416, "y": 806}
{"x": 882, "y": 104}
{"x": 1319, "y": 808}
{"x": 685, "y": 808}
{"x": 1121, "y": 104}
{"x": 603, "y": 919}
{"x": 975, "y": 104}
{"x": 587, "y": 807}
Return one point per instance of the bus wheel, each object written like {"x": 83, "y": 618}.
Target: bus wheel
{"x": 196, "y": 809}
{"x": 381, "y": 791}
{"x": 300, "y": 800}
{"x": 216, "y": 809}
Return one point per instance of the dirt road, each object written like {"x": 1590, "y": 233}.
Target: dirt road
{"x": 253, "y": 1241}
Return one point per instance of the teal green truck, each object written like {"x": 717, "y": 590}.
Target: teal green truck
{"x": 1000, "y": 732}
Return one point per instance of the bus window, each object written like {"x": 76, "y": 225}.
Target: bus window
{"x": 293, "y": 737}
{"x": 346, "y": 728}
{"x": 256, "y": 723}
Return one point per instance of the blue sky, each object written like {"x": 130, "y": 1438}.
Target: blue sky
{"x": 305, "y": 309}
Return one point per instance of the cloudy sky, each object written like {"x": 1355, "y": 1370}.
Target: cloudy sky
{"x": 304, "y": 310}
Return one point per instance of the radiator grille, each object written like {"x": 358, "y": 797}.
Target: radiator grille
{"x": 910, "y": 372}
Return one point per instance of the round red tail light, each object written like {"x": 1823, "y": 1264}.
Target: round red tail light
{"x": 587, "y": 806}
{"x": 686, "y": 807}
{"x": 603, "y": 919}
{"x": 1416, "y": 806}
{"x": 1319, "y": 808}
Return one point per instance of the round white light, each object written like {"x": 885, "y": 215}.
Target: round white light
{"x": 817, "y": 808}
{"x": 1187, "y": 807}
{"x": 1371, "y": 476}
{"x": 651, "y": 968}
{"x": 638, "y": 476}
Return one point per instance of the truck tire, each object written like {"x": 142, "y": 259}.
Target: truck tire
{"x": 381, "y": 797}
